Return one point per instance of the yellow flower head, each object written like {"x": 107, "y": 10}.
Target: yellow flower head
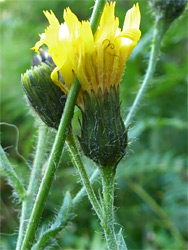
{"x": 99, "y": 59}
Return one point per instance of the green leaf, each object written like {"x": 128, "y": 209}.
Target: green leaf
{"x": 60, "y": 223}
{"x": 7, "y": 170}
{"x": 120, "y": 240}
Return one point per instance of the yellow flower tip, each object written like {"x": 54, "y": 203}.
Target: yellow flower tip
{"x": 39, "y": 43}
{"x": 110, "y": 5}
{"x": 25, "y": 79}
{"x": 51, "y": 17}
{"x": 132, "y": 18}
{"x": 108, "y": 13}
{"x": 71, "y": 20}
{"x": 68, "y": 13}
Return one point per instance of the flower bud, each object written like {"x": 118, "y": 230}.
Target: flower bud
{"x": 169, "y": 10}
{"x": 45, "y": 97}
{"x": 42, "y": 56}
{"x": 103, "y": 134}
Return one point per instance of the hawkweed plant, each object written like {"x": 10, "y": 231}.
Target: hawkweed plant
{"x": 83, "y": 67}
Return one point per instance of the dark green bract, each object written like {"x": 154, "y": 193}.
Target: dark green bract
{"x": 169, "y": 10}
{"x": 45, "y": 97}
{"x": 103, "y": 134}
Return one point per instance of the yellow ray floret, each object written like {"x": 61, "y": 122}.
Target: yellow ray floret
{"x": 99, "y": 59}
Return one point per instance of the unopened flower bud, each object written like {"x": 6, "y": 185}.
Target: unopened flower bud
{"x": 42, "y": 56}
{"x": 169, "y": 10}
{"x": 45, "y": 97}
{"x": 103, "y": 134}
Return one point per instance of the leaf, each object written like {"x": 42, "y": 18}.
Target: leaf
{"x": 121, "y": 241}
{"x": 60, "y": 223}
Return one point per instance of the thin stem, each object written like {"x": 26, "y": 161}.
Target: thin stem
{"x": 108, "y": 176}
{"x": 76, "y": 158}
{"x": 27, "y": 204}
{"x": 77, "y": 199}
{"x": 60, "y": 222}
{"x": 11, "y": 175}
{"x": 53, "y": 231}
{"x": 52, "y": 165}
{"x": 155, "y": 47}
{"x": 96, "y": 14}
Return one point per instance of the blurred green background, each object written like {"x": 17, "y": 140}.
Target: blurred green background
{"x": 151, "y": 180}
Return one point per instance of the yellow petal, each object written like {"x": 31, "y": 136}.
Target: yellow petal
{"x": 51, "y": 38}
{"x": 87, "y": 37}
{"x": 39, "y": 43}
{"x": 108, "y": 24}
{"x": 72, "y": 22}
{"x": 132, "y": 18}
{"x": 67, "y": 73}
{"x": 133, "y": 34}
{"x": 56, "y": 79}
{"x": 52, "y": 31}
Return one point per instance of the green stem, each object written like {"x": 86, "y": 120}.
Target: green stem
{"x": 108, "y": 176}
{"x": 56, "y": 150}
{"x": 52, "y": 165}
{"x": 60, "y": 222}
{"x": 76, "y": 159}
{"x": 53, "y": 230}
{"x": 158, "y": 33}
{"x": 96, "y": 14}
{"x": 27, "y": 204}
{"x": 77, "y": 199}
{"x": 11, "y": 175}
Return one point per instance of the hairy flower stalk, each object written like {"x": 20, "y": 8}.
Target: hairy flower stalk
{"x": 98, "y": 60}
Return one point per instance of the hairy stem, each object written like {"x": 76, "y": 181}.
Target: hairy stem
{"x": 66, "y": 216}
{"x": 108, "y": 176}
{"x": 52, "y": 165}
{"x": 34, "y": 181}
{"x": 56, "y": 150}
{"x": 155, "y": 48}
{"x": 77, "y": 199}
{"x": 77, "y": 160}
{"x": 11, "y": 175}
{"x": 96, "y": 14}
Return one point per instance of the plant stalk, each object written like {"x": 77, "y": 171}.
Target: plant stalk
{"x": 76, "y": 159}
{"x": 78, "y": 197}
{"x": 159, "y": 30}
{"x": 96, "y": 14}
{"x": 11, "y": 175}
{"x": 108, "y": 176}
{"x": 34, "y": 181}
{"x": 52, "y": 166}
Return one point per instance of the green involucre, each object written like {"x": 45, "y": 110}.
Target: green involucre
{"x": 103, "y": 134}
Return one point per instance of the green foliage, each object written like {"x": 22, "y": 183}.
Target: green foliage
{"x": 60, "y": 222}
{"x": 7, "y": 170}
{"x": 120, "y": 240}
{"x": 156, "y": 158}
